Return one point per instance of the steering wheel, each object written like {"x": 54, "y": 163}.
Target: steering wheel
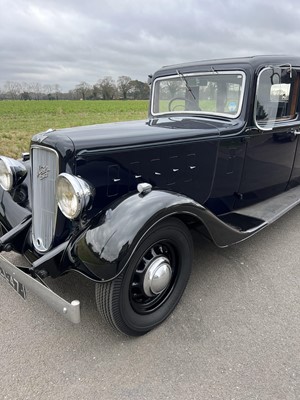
{"x": 181, "y": 105}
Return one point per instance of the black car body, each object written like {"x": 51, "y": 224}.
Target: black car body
{"x": 116, "y": 202}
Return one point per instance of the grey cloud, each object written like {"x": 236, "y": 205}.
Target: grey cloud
{"x": 70, "y": 41}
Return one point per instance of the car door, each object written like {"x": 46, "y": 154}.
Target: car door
{"x": 272, "y": 142}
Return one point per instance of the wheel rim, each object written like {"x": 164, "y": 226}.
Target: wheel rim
{"x": 157, "y": 277}
{"x": 154, "y": 277}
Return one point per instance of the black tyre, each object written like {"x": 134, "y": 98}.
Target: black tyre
{"x": 146, "y": 293}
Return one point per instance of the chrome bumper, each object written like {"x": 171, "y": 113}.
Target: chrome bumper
{"x": 71, "y": 311}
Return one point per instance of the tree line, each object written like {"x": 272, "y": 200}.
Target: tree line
{"x": 104, "y": 89}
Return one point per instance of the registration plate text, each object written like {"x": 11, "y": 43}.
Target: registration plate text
{"x": 19, "y": 287}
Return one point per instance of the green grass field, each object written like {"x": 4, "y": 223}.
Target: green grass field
{"x": 19, "y": 120}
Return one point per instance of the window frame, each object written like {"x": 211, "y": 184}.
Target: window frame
{"x": 202, "y": 113}
{"x": 294, "y": 98}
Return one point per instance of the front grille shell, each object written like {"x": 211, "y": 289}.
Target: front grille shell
{"x": 44, "y": 171}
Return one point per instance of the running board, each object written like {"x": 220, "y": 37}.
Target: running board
{"x": 264, "y": 213}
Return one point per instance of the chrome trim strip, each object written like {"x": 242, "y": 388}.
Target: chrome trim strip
{"x": 37, "y": 216}
{"x": 70, "y": 311}
{"x": 200, "y": 113}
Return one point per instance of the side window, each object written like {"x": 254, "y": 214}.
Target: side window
{"x": 276, "y": 96}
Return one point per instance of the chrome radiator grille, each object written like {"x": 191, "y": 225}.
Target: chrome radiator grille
{"x": 44, "y": 170}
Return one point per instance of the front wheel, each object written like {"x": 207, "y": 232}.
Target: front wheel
{"x": 146, "y": 293}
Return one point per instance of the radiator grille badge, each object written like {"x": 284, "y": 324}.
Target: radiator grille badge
{"x": 43, "y": 172}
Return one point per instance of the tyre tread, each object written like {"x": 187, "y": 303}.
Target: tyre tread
{"x": 107, "y": 294}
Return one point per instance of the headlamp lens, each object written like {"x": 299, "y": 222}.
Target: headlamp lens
{"x": 6, "y": 176}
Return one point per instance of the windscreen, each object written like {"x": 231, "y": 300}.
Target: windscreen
{"x": 219, "y": 93}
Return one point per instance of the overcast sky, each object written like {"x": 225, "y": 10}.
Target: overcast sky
{"x": 69, "y": 41}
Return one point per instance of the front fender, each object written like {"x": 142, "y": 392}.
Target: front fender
{"x": 107, "y": 245}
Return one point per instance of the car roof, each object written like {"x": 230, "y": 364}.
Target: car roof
{"x": 252, "y": 62}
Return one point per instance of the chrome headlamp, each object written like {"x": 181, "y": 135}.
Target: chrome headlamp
{"x": 12, "y": 172}
{"x": 73, "y": 195}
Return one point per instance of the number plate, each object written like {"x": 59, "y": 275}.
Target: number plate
{"x": 19, "y": 287}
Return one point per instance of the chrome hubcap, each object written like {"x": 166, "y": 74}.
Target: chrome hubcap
{"x": 157, "y": 277}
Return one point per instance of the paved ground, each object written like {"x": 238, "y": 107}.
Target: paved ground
{"x": 234, "y": 335}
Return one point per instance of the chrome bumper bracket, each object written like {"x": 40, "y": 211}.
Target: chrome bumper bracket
{"x": 71, "y": 311}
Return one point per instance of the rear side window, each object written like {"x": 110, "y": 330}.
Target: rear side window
{"x": 276, "y": 97}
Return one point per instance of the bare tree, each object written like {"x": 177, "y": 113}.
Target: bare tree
{"x": 82, "y": 90}
{"x": 25, "y": 89}
{"x": 52, "y": 92}
{"x": 35, "y": 88}
{"x": 124, "y": 85}
{"x": 57, "y": 91}
{"x": 96, "y": 92}
{"x": 12, "y": 89}
{"x": 107, "y": 88}
{"x": 72, "y": 95}
{"x": 48, "y": 90}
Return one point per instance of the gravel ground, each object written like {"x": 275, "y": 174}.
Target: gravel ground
{"x": 234, "y": 335}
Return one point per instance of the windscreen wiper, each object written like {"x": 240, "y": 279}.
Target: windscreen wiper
{"x": 186, "y": 83}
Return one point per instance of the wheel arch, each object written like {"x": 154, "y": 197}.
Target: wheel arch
{"x": 107, "y": 245}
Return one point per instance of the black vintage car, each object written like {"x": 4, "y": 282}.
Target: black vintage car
{"x": 116, "y": 202}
